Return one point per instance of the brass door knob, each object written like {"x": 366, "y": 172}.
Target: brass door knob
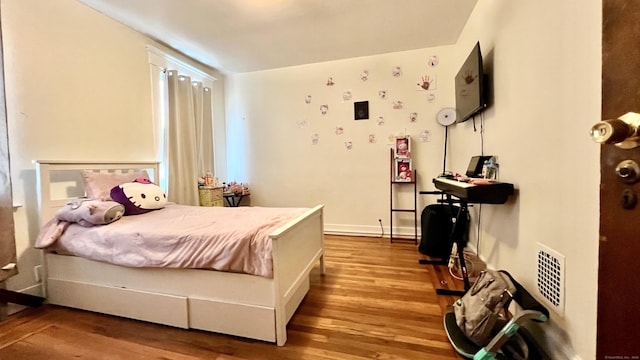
{"x": 623, "y": 131}
{"x": 628, "y": 171}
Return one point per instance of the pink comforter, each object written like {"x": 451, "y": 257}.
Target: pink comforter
{"x": 178, "y": 236}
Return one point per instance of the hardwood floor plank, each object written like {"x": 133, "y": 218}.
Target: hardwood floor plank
{"x": 374, "y": 302}
{"x": 56, "y": 342}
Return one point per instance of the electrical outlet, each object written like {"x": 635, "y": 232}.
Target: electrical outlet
{"x": 381, "y": 228}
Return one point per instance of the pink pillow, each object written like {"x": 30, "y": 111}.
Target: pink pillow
{"x": 98, "y": 185}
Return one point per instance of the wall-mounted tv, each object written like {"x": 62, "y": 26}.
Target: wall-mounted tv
{"x": 471, "y": 90}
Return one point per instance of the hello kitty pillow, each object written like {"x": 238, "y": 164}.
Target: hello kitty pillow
{"x": 139, "y": 196}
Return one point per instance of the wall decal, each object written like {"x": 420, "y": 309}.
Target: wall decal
{"x": 361, "y": 110}
{"x": 324, "y": 109}
{"x": 346, "y": 95}
{"x": 330, "y": 81}
{"x": 431, "y": 97}
{"x": 433, "y": 61}
{"x": 398, "y": 104}
{"x": 380, "y": 120}
{"x": 307, "y": 99}
{"x": 372, "y": 138}
{"x": 382, "y": 94}
{"x": 315, "y": 138}
{"x": 413, "y": 117}
{"x": 425, "y": 136}
{"x": 302, "y": 123}
{"x": 396, "y": 71}
{"x": 364, "y": 75}
{"x": 348, "y": 145}
{"x": 339, "y": 130}
{"x": 427, "y": 82}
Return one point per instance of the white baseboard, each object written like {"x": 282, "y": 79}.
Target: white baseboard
{"x": 369, "y": 231}
{"x": 558, "y": 343}
{"x": 35, "y": 290}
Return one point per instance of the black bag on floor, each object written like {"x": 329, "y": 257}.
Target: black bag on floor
{"x": 436, "y": 224}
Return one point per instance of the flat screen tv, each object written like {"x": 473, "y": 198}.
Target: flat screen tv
{"x": 471, "y": 86}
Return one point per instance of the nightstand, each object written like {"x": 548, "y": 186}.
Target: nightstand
{"x": 233, "y": 200}
{"x": 211, "y": 196}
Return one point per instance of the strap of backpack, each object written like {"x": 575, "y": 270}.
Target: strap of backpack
{"x": 505, "y": 306}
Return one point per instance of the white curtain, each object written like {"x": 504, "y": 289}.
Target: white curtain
{"x": 189, "y": 138}
{"x": 7, "y": 231}
{"x": 204, "y": 127}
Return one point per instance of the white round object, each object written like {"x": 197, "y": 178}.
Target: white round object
{"x": 446, "y": 116}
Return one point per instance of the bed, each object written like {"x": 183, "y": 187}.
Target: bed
{"x": 233, "y": 303}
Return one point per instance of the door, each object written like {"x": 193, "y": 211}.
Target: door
{"x": 619, "y": 275}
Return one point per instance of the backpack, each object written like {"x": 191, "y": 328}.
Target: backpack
{"x": 479, "y": 311}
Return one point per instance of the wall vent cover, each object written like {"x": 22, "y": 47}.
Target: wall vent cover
{"x": 550, "y": 279}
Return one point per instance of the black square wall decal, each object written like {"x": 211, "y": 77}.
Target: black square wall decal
{"x": 361, "y": 110}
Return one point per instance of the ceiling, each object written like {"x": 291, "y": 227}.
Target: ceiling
{"x": 251, "y": 35}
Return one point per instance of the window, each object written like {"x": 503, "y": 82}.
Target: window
{"x": 160, "y": 62}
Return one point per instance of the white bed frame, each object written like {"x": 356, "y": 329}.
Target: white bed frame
{"x": 229, "y": 303}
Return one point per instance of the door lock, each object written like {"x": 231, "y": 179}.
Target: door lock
{"x": 629, "y": 199}
{"x": 623, "y": 132}
{"x": 628, "y": 171}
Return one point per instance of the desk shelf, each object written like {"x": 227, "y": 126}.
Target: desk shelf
{"x": 467, "y": 193}
{"x": 393, "y": 209}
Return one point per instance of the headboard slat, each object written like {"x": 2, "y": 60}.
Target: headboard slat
{"x": 48, "y": 205}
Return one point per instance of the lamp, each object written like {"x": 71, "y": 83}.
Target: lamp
{"x": 446, "y": 117}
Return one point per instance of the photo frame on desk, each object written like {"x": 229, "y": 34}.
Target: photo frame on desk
{"x": 403, "y": 170}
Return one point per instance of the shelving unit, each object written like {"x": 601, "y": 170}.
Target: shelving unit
{"x": 392, "y": 184}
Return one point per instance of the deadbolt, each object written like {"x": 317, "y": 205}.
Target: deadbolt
{"x": 628, "y": 171}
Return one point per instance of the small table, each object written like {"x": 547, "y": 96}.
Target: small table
{"x": 234, "y": 200}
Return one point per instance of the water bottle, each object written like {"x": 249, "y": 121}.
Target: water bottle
{"x": 492, "y": 169}
{"x": 485, "y": 169}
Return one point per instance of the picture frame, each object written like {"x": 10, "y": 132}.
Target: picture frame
{"x": 402, "y": 147}
{"x": 361, "y": 110}
{"x": 403, "y": 170}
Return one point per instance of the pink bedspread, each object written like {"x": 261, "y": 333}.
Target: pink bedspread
{"x": 178, "y": 236}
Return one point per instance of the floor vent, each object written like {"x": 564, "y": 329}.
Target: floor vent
{"x": 550, "y": 280}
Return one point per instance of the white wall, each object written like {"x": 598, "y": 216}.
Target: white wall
{"x": 273, "y": 151}
{"x": 62, "y": 64}
{"x": 77, "y": 87}
{"x": 544, "y": 63}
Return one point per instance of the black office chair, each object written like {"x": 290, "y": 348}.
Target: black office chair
{"x": 512, "y": 341}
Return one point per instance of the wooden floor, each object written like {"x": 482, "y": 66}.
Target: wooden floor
{"x": 374, "y": 302}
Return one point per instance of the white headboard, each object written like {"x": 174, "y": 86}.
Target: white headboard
{"x": 53, "y": 175}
